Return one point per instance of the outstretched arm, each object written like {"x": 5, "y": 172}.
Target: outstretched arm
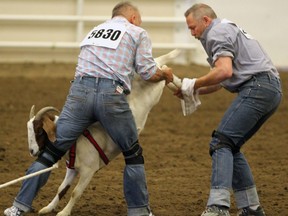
{"x": 165, "y": 73}
{"x": 209, "y": 89}
{"x": 220, "y": 72}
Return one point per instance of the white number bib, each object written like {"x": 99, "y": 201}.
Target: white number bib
{"x": 105, "y": 35}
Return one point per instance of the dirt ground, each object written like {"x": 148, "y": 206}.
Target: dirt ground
{"x": 175, "y": 147}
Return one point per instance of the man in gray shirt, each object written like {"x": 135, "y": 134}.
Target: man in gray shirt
{"x": 239, "y": 64}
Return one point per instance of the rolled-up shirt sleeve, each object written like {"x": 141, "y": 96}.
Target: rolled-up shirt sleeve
{"x": 222, "y": 46}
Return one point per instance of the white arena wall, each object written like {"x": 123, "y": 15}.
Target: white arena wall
{"x": 50, "y": 30}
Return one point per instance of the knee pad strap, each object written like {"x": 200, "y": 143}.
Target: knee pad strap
{"x": 134, "y": 155}
{"x": 44, "y": 161}
{"x": 225, "y": 142}
{"x": 135, "y": 160}
{"x": 51, "y": 150}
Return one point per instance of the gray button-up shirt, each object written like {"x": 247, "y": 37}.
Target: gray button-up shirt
{"x": 226, "y": 39}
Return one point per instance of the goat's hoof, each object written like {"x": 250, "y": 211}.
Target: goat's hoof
{"x": 45, "y": 210}
{"x": 62, "y": 213}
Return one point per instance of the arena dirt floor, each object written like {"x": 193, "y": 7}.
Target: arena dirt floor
{"x": 175, "y": 147}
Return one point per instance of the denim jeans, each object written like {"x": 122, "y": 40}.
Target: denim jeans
{"x": 90, "y": 100}
{"x": 257, "y": 100}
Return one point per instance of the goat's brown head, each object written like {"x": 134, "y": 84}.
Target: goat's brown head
{"x": 41, "y": 129}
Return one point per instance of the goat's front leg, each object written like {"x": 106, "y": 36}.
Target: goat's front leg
{"x": 63, "y": 188}
{"x": 85, "y": 178}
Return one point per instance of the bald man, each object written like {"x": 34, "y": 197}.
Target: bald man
{"x": 110, "y": 54}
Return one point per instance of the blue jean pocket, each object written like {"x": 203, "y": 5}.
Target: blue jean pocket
{"x": 76, "y": 99}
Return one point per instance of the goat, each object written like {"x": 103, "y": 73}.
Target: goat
{"x": 88, "y": 160}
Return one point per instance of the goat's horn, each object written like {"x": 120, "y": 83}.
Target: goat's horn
{"x": 32, "y": 111}
{"x": 44, "y": 110}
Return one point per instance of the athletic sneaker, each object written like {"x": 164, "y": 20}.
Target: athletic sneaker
{"x": 13, "y": 211}
{"x": 250, "y": 212}
{"x": 151, "y": 214}
{"x": 215, "y": 211}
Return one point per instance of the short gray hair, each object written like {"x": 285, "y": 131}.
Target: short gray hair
{"x": 200, "y": 10}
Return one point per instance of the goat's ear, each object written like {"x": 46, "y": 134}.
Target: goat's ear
{"x": 50, "y": 127}
{"x": 51, "y": 116}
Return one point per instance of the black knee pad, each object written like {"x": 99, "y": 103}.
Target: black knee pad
{"x": 51, "y": 150}
{"x": 134, "y": 155}
{"x": 224, "y": 142}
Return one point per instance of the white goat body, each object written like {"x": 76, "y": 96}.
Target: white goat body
{"x": 143, "y": 97}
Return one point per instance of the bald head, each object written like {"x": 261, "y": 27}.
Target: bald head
{"x": 129, "y": 11}
{"x": 123, "y": 8}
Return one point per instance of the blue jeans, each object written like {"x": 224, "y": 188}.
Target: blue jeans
{"x": 90, "y": 100}
{"x": 257, "y": 100}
